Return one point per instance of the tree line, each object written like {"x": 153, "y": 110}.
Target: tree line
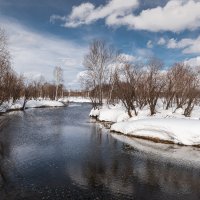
{"x": 14, "y": 86}
{"x": 113, "y": 77}
{"x": 109, "y": 76}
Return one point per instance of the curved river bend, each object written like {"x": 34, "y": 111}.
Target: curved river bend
{"x": 59, "y": 153}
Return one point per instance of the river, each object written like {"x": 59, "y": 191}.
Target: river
{"x": 59, "y": 153}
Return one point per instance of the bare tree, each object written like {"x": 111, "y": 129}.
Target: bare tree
{"x": 112, "y": 83}
{"x": 192, "y": 91}
{"x": 13, "y": 86}
{"x": 5, "y": 67}
{"x": 27, "y": 90}
{"x": 58, "y": 76}
{"x": 154, "y": 83}
{"x": 181, "y": 76}
{"x": 141, "y": 90}
{"x": 127, "y": 85}
{"x": 169, "y": 90}
{"x": 96, "y": 63}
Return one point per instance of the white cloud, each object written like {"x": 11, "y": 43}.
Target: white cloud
{"x": 175, "y": 16}
{"x": 187, "y": 45}
{"x": 86, "y": 13}
{"x": 144, "y": 53}
{"x": 172, "y": 17}
{"x": 194, "y": 62}
{"x": 172, "y": 44}
{"x": 149, "y": 44}
{"x": 128, "y": 57}
{"x": 38, "y": 54}
{"x": 161, "y": 41}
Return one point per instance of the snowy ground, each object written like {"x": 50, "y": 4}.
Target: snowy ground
{"x": 17, "y": 105}
{"x": 77, "y": 99}
{"x": 165, "y": 125}
{"x": 9, "y": 106}
{"x": 179, "y": 131}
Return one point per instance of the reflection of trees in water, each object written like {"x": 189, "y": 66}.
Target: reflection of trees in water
{"x": 2, "y": 155}
{"x": 2, "y": 175}
{"x": 103, "y": 168}
{"x": 94, "y": 169}
{"x": 171, "y": 178}
{"x": 119, "y": 168}
{"x": 6, "y": 190}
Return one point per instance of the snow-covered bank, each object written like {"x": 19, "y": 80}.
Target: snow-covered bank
{"x": 165, "y": 126}
{"x": 78, "y": 99}
{"x": 180, "y": 131}
{"x": 10, "y": 106}
{"x": 43, "y": 103}
{"x": 110, "y": 113}
{"x": 118, "y": 113}
{"x": 39, "y": 103}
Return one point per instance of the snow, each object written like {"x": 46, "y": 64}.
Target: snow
{"x": 168, "y": 125}
{"x": 15, "y": 106}
{"x": 40, "y": 102}
{"x": 180, "y": 131}
{"x": 9, "y": 106}
{"x": 110, "y": 113}
{"x": 43, "y": 103}
{"x": 94, "y": 113}
{"x": 78, "y": 99}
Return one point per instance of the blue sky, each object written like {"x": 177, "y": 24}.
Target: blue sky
{"x": 43, "y": 34}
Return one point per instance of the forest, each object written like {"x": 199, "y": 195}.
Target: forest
{"x": 110, "y": 76}
{"x": 14, "y": 86}
{"x": 113, "y": 77}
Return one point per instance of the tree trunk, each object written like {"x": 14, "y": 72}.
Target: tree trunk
{"x": 56, "y": 97}
{"x": 129, "y": 113}
{"x": 188, "y": 109}
{"x": 24, "y": 104}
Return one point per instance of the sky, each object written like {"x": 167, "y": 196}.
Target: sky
{"x": 48, "y": 33}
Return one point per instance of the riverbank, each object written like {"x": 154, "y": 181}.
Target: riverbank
{"x": 38, "y": 103}
{"x": 78, "y": 99}
{"x": 166, "y": 126}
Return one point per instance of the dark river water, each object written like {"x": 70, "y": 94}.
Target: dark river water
{"x": 59, "y": 153}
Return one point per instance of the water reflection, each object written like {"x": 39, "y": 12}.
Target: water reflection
{"x": 2, "y": 173}
{"x": 133, "y": 175}
{"x": 102, "y": 169}
{"x": 59, "y": 154}
{"x": 5, "y": 186}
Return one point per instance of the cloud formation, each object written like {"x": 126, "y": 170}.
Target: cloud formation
{"x": 149, "y": 44}
{"x": 194, "y": 62}
{"x": 37, "y": 54}
{"x": 188, "y": 45}
{"x": 161, "y": 41}
{"x": 86, "y": 13}
{"x": 128, "y": 57}
{"x": 175, "y": 16}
